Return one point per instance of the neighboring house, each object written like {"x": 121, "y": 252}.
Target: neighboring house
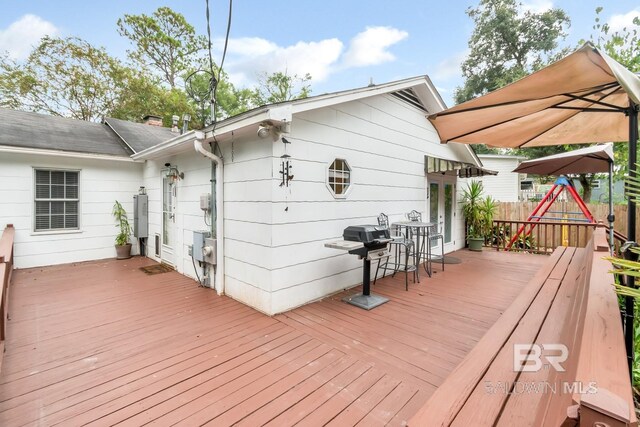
{"x": 60, "y": 178}
{"x": 507, "y": 185}
{"x": 351, "y": 155}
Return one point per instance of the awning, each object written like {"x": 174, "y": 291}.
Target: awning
{"x": 594, "y": 159}
{"x": 464, "y": 170}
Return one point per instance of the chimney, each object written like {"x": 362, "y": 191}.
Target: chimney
{"x": 174, "y": 125}
{"x": 152, "y": 120}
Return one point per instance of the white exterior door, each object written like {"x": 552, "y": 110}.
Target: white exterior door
{"x": 442, "y": 207}
{"x": 168, "y": 221}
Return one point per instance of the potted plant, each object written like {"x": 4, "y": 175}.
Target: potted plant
{"x": 478, "y": 214}
{"x": 123, "y": 247}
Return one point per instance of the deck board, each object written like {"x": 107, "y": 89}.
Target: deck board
{"x": 101, "y": 343}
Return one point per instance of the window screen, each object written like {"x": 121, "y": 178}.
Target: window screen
{"x": 56, "y": 201}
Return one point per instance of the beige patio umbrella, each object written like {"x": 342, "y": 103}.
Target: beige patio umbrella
{"x": 584, "y": 98}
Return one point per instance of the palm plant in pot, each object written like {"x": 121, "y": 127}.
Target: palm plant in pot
{"x": 123, "y": 247}
{"x": 478, "y": 214}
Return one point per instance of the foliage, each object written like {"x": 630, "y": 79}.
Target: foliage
{"x": 63, "y": 77}
{"x": 624, "y": 47}
{"x": 122, "y": 221}
{"x": 471, "y": 200}
{"x": 71, "y": 78}
{"x": 280, "y": 87}
{"x": 488, "y": 207}
{"x": 508, "y": 43}
{"x": 624, "y": 267}
{"x": 164, "y": 41}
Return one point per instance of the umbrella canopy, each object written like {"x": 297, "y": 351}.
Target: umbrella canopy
{"x": 584, "y": 160}
{"x": 582, "y": 98}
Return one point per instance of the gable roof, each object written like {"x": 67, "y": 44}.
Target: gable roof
{"x": 33, "y": 130}
{"x": 418, "y": 91}
{"x": 139, "y": 136}
{"x": 24, "y": 129}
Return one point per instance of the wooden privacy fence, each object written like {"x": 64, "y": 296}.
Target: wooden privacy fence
{"x": 520, "y": 211}
{"x": 6, "y": 270}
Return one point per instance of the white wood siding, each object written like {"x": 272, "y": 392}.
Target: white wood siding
{"x": 101, "y": 183}
{"x": 384, "y": 141}
{"x": 503, "y": 187}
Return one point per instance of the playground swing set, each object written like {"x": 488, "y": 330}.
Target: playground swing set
{"x": 539, "y": 214}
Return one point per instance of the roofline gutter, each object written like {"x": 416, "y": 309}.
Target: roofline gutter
{"x": 72, "y": 154}
{"x": 218, "y": 165}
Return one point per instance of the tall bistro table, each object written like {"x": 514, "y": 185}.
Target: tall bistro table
{"x": 421, "y": 231}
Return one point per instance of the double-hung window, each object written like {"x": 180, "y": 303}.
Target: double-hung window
{"x": 56, "y": 200}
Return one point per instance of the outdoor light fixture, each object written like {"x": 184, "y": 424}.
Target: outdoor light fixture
{"x": 173, "y": 174}
{"x": 264, "y": 130}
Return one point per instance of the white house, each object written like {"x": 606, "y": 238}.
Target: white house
{"x": 283, "y": 179}
{"x": 505, "y": 186}
{"x": 60, "y": 178}
{"x": 353, "y": 155}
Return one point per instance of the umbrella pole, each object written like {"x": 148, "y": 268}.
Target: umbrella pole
{"x": 611, "y": 217}
{"x": 631, "y": 233}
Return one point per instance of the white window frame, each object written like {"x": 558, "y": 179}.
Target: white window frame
{"x": 596, "y": 184}
{"x": 34, "y": 200}
{"x": 528, "y": 181}
{"x": 329, "y": 171}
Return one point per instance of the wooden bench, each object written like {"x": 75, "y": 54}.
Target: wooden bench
{"x": 570, "y": 302}
{"x": 6, "y": 271}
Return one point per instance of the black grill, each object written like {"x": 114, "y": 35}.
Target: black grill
{"x": 373, "y": 237}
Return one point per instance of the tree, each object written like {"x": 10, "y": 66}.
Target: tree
{"x": 280, "y": 87}
{"x": 63, "y": 77}
{"x": 164, "y": 41}
{"x": 624, "y": 47}
{"x": 145, "y": 95}
{"x": 508, "y": 43}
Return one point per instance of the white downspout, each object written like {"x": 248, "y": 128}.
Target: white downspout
{"x": 197, "y": 144}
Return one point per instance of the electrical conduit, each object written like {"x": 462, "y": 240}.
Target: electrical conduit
{"x": 219, "y": 207}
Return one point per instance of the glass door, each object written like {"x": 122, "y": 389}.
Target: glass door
{"x": 441, "y": 195}
{"x": 168, "y": 220}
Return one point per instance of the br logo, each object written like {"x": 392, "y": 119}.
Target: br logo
{"x": 529, "y": 357}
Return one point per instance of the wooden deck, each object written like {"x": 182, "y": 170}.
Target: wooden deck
{"x": 102, "y": 343}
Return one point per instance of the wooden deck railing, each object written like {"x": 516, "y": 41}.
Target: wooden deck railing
{"x": 539, "y": 237}
{"x": 571, "y": 304}
{"x": 6, "y": 270}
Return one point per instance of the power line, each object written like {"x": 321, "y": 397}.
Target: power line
{"x": 215, "y": 81}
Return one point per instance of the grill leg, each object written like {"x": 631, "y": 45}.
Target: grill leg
{"x": 366, "y": 278}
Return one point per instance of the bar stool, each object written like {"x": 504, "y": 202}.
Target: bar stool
{"x": 398, "y": 243}
{"x": 434, "y": 236}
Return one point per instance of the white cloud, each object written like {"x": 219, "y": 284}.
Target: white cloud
{"x": 450, "y": 67}
{"x": 19, "y": 38}
{"x": 249, "y": 57}
{"x": 370, "y": 46}
{"x": 620, "y": 21}
{"x": 537, "y": 6}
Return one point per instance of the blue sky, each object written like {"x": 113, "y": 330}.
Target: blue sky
{"x": 342, "y": 44}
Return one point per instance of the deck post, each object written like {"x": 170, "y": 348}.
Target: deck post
{"x": 631, "y": 230}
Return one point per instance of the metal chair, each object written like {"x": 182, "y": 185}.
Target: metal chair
{"x": 414, "y": 215}
{"x": 434, "y": 236}
{"x": 398, "y": 243}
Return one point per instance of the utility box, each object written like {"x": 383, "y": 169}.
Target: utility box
{"x": 211, "y": 252}
{"x": 199, "y": 237}
{"x": 141, "y": 215}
